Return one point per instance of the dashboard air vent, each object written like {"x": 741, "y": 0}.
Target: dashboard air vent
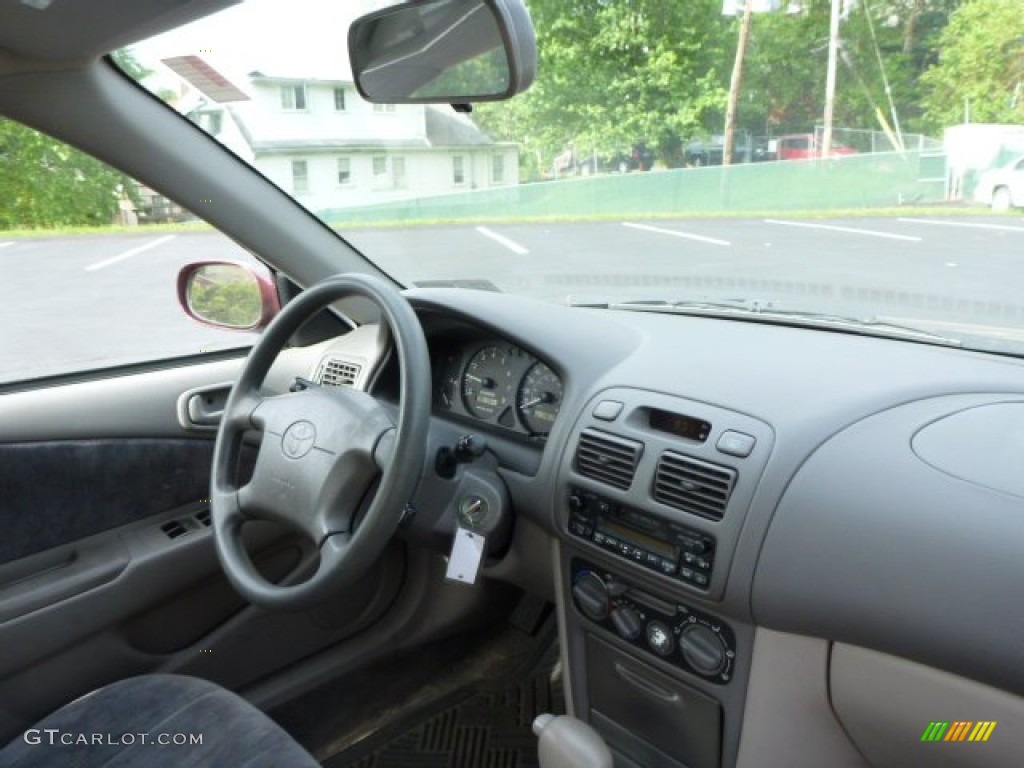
{"x": 338, "y": 373}
{"x": 692, "y": 485}
{"x": 607, "y": 458}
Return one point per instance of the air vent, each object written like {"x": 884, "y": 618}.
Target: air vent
{"x": 693, "y": 486}
{"x": 338, "y": 373}
{"x": 607, "y": 458}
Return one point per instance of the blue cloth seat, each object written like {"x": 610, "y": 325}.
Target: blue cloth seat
{"x": 156, "y": 721}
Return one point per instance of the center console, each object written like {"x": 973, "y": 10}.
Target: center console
{"x": 653, "y": 491}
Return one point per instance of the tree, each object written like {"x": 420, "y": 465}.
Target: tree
{"x": 45, "y": 183}
{"x": 612, "y": 74}
{"x": 980, "y": 70}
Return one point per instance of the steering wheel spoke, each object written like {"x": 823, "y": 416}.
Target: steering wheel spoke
{"x": 322, "y": 450}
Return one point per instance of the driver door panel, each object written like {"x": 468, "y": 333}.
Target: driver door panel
{"x": 107, "y": 562}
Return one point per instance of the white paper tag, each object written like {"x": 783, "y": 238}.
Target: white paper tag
{"x": 466, "y": 556}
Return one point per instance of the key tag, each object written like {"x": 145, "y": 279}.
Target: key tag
{"x": 467, "y": 553}
{"x": 468, "y": 547}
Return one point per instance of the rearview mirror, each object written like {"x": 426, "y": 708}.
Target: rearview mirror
{"x": 443, "y": 51}
{"x": 223, "y": 294}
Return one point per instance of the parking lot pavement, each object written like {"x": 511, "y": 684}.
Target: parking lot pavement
{"x": 77, "y": 302}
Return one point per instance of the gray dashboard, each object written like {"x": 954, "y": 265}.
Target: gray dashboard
{"x": 840, "y": 524}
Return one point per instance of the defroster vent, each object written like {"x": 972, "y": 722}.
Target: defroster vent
{"x": 608, "y": 458}
{"x": 692, "y": 485}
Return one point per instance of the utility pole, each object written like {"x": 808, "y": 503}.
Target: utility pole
{"x": 734, "y": 83}
{"x": 830, "y": 78}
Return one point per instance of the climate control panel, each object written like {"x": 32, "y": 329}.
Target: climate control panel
{"x": 691, "y": 639}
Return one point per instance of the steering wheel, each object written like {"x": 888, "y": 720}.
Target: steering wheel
{"x": 322, "y": 449}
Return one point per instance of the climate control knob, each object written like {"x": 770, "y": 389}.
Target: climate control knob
{"x": 626, "y": 622}
{"x": 591, "y": 596}
{"x": 703, "y": 649}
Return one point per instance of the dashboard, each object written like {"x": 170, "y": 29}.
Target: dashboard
{"x": 747, "y": 518}
{"x": 716, "y": 487}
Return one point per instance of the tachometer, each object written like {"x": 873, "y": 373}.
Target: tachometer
{"x": 485, "y": 383}
{"x": 539, "y": 398}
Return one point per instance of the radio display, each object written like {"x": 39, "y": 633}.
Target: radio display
{"x": 679, "y": 425}
{"x": 638, "y": 539}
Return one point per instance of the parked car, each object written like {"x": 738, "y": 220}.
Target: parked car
{"x": 1002, "y": 188}
{"x": 806, "y": 146}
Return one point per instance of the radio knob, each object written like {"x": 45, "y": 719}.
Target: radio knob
{"x": 591, "y": 596}
{"x": 575, "y": 503}
{"x": 626, "y": 622}
{"x": 703, "y": 649}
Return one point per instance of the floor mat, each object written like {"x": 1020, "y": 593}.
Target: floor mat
{"x": 489, "y": 729}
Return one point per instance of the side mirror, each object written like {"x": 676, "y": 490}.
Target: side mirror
{"x": 224, "y": 294}
{"x": 443, "y": 51}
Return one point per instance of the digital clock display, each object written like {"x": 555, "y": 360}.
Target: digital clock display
{"x": 679, "y": 425}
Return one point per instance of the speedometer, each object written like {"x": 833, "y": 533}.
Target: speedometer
{"x": 485, "y": 387}
{"x": 539, "y": 398}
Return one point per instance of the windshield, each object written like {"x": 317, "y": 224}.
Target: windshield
{"x": 852, "y": 160}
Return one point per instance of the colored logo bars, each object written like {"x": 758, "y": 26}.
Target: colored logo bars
{"x": 958, "y": 730}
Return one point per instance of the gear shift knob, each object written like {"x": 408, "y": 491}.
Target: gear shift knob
{"x": 566, "y": 742}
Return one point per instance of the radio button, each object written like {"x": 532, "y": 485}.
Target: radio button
{"x": 693, "y": 545}
{"x": 700, "y": 579}
{"x": 668, "y": 566}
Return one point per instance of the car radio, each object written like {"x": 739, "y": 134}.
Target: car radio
{"x": 661, "y": 545}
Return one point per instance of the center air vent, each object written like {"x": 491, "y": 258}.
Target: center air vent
{"x": 607, "y": 458}
{"x": 693, "y": 486}
{"x": 338, "y": 373}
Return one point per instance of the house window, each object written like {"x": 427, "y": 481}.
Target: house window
{"x": 383, "y": 107}
{"x": 293, "y": 96}
{"x": 458, "y": 170}
{"x": 497, "y": 169}
{"x": 300, "y": 177}
{"x": 380, "y": 167}
{"x": 344, "y": 170}
{"x": 398, "y": 172}
{"x": 339, "y": 99}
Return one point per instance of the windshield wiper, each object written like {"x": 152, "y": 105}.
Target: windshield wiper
{"x": 766, "y": 312}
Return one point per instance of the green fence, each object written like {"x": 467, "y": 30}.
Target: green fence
{"x": 855, "y": 181}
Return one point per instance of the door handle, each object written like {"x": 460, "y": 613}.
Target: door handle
{"x": 201, "y": 409}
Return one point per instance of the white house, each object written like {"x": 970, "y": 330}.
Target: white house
{"x": 320, "y": 141}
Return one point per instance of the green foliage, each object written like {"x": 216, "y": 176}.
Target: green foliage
{"x": 235, "y": 303}
{"x": 615, "y": 73}
{"x": 45, "y": 183}
{"x": 981, "y": 65}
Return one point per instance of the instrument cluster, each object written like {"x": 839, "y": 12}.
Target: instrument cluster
{"x": 498, "y": 383}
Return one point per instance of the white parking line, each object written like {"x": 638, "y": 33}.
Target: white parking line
{"x": 129, "y": 253}
{"x": 971, "y": 224}
{"x": 512, "y": 245}
{"x": 851, "y": 230}
{"x": 676, "y": 233}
